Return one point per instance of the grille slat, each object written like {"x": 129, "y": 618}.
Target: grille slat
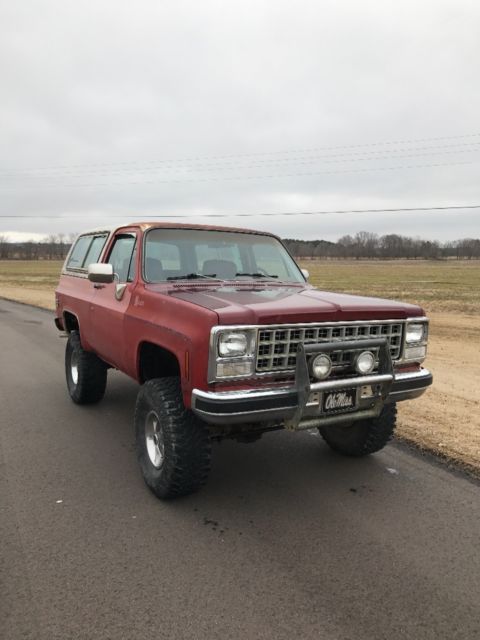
{"x": 277, "y": 347}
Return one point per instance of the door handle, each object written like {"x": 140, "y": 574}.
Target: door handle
{"x": 99, "y": 286}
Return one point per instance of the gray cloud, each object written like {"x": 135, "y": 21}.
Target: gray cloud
{"x": 111, "y": 110}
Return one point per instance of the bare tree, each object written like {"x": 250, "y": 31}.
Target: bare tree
{"x": 4, "y": 248}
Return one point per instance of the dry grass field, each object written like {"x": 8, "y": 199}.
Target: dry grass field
{"x": 30, "y": 281}
{"x": 451, "y": 286}
{"x": 446, "y": 419}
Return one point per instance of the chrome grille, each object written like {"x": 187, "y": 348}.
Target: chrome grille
{"x": 277, "y": 346}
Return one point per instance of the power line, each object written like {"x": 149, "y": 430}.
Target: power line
{"x": 300, "y": 160}
{"x": 134, "y": 166}
{"x": 240, "y": 178}
{"x": 265, "y": 153}
{"x": 258, "y": 214}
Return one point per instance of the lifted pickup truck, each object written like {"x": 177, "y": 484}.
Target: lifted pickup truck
{"x": 228, "y": 340}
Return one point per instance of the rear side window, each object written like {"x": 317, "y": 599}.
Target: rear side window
{"x": 87, "y": 250}
{"x": 79, "y": 252}
{"x": 95, "y": 250}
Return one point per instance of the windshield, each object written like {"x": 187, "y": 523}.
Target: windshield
{"x": 176, "y": 254}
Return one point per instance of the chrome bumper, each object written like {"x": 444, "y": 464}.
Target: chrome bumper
{"x": 299, "y": 406}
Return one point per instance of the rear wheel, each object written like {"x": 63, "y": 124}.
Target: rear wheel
{"x": 173, "y": 445}
{"x": 86, "y": 374}
{"x": 363, "y": 437}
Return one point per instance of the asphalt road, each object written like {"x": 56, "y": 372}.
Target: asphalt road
{"x": 288, "y": 540}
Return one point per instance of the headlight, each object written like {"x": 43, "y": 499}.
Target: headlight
{"x": 365, "y": 362}
{"x": 321, "y": 366}
{"x": 232, "y": 344}
{"x": 415, "y": 333}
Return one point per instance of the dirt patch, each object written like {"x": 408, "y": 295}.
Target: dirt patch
{"x": 446, "y": 419}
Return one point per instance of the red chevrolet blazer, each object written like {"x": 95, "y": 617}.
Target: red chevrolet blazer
{"x": 227, "y": 339}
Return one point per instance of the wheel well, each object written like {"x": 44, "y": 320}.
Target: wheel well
{"x": 156, "y": 362}
{"x": 70, "y": 322}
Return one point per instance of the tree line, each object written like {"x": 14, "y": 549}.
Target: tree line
{"x": 362, "y": 245}
{"x": 52, "y": 247}
{"x": 366, "y": 245}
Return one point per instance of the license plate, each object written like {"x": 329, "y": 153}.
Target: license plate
{"x": 339, "y": 401}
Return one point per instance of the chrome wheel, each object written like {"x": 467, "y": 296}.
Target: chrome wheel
{"x": 74, "y": 367}
{"x": 154, "y": 440}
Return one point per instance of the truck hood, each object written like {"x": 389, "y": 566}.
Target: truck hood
{"x": 281, "y": 305}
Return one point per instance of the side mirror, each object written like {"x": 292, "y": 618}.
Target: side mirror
{"x": 306, "y": 274}
{"x": 100, "y": 272}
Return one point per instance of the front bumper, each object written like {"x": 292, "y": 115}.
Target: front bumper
{"x": 300, "y": 406}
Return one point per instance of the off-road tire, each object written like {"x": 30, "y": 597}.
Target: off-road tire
{"x": 185, "y": 440}
{"x": 363, "y": 437}
{"x": 88, "y": 384}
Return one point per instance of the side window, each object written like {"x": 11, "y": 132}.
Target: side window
{"x": 95, "y": 250}
{"x": 77, "y": 257}
{"x": 122, "y": 257}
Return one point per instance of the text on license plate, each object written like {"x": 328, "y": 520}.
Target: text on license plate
{"x": 343, "y": 400}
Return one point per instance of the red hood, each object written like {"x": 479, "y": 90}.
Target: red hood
{"x": 280, "y": 305}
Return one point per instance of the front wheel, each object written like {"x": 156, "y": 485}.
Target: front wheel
{"x": 173, "y": 445}
{"x": 363, "y": 437}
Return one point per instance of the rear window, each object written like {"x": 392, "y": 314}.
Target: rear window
{"x": 86, "y": 250}
{"x": 206, "y": 253}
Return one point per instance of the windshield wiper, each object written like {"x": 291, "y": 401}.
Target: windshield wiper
{"x": 256, "y": 275}
{"x": 210, "y": 276}
{"x": 193, "y": 276}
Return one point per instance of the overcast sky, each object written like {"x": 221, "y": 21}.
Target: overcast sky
{"x": 112, "y": 110}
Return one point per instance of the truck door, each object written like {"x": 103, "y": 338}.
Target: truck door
{"x": 111, "y": 301}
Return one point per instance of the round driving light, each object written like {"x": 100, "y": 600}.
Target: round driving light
{"x": 321, "y": 366}
{"x": 365, "y": 362}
